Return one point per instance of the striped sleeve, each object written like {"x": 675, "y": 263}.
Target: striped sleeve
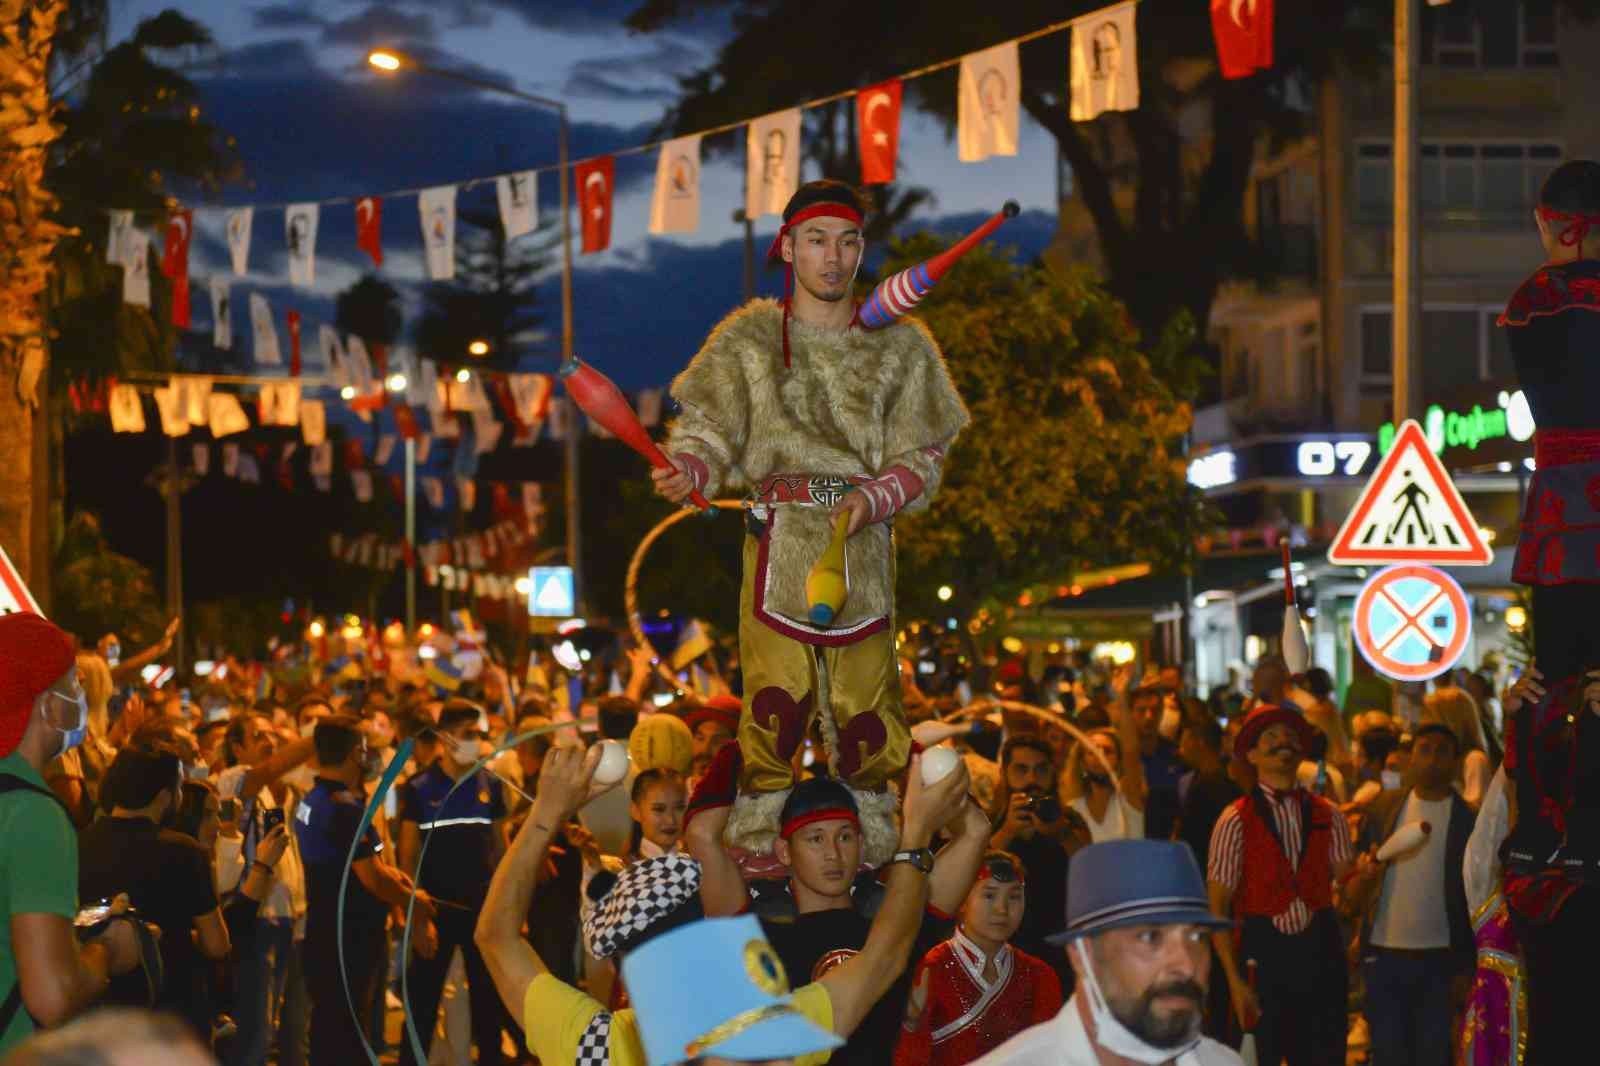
{"x": 1341, "y": 849}
{"x": 1226, "y": 858}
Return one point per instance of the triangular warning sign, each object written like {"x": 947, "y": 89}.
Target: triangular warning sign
{"x": 14, "y": 595}
{"x": 554, "y": 596}
{"x": 1410, "y": 512}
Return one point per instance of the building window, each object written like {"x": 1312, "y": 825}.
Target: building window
{"x": 1486, "y": 180}
{"x": 1487, "y": 36}
{"x": 1460, "y": 344}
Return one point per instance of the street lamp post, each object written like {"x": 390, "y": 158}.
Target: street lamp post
{"x": 389, "y": 60}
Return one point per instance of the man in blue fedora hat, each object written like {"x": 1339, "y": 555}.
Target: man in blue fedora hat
{"x": 1138, "y": 930}
{"x": 716, "y": 991}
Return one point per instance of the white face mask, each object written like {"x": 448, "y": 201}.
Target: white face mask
{"x": 72, "y": 737}
{"x": 462, "y": 752}
{"x": 1110, "y": 1033}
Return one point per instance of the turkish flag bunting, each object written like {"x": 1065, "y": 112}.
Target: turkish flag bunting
{"x": 369, "y": 226}
{"x": 406, "y": 422}
{"x": 294, "y": 341}
{"x": 354, "y": 457}
{"x": 1243, "y": 30}
{"x": 878, "y": 120}
{"x": 500, "y": 496}
{"x": 175, "y": 262}
{"x": 594, "y": 178}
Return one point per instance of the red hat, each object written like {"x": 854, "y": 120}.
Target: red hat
{"x": 34, "y": 654}
{"x": 723, "y": 710}
{"x": 1265, "y": 717}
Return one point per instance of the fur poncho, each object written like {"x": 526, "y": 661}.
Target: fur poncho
{"x": 853, "y": 402}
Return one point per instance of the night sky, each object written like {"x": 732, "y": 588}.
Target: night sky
{"x": 312, "y": 121}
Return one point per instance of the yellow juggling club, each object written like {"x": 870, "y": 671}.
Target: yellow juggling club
{"x": 826, "y": 585}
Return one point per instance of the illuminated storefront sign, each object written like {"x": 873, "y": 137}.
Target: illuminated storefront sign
{"x": 1510, "y": 419}
{"x": 1295, "y": 458}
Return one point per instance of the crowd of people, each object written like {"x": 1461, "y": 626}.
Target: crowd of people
{"x": 282, "y": 864}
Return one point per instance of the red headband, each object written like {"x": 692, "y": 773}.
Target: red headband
{"x": 984, "y": 872}
{"x": 822, "y": 210}
{"x": 1577, "y": 225}
{"x": 821, "y": 814}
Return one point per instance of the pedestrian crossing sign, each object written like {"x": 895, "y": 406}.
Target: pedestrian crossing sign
{"x": 1410, "y": 512}
{"x": 550, "y": 592}
{"x": 14, "y": 594}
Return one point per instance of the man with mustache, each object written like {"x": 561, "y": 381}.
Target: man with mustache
{"x": 1137, "y": 924}
{"x": 1275, "y": 855}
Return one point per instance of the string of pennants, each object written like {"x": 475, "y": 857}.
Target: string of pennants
{"x": 1102, "y": 75}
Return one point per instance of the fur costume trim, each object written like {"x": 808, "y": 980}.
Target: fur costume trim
{"x": 880, "y": 825}
{"x": 753, "y": 822}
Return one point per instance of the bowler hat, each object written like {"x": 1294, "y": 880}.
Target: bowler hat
{"x": 1134, "y": 882}
{"x": 1264, "y": 718}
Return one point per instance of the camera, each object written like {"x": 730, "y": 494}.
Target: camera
{"x": 271, "y": 818}
{"x": 1043, "y": 806}
{"x": 92, "y": 920}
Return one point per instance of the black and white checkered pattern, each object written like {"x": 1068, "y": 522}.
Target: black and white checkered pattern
{"x": 594, "y": 1047}
{"x": 646, "y": 893}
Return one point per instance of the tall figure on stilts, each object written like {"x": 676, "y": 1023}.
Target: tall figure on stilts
{"x": 821, "y": 414}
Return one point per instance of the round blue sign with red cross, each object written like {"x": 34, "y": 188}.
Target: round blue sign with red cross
{"x": 1412, "y": 622}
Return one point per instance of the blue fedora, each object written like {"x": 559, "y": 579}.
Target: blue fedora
{"x": 1134, "y": 882}
{"x": 716, "y": 987}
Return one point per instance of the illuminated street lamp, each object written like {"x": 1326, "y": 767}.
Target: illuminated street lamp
{"x": 385, "y": 60}
{"x": 463, "y": 375}
{"x": 945, "y": 592}
{"x": 347, "y": 393}
{"x": 479, "y": 348}
{"x": 396, "y": 382}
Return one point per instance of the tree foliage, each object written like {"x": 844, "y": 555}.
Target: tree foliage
{"x": 1073, "y": 458}
{"x": 98, "y": 591}
{"x": 370, "y": 309}
{"x": 492, "y": 297}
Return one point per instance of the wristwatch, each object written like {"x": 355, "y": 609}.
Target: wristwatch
{"x": 921, "y": 858}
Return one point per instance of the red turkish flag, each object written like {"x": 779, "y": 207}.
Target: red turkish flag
{"x": 878, "y": 127}
{"x": 294, "y": 342}
{"x": 354, "y": 457}
{"x": 594, "y": 178}
{"x": 406, "y": 422}
{"x": 1243, "y": 29}
{"x": 175, "y": 262}
{"x": 369, "y": 225}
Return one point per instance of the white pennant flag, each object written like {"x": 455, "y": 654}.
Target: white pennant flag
{"x": 468, "y": 395}
{"x": 385, "y": 449}
{"x": 988, "y": 102}
{"x": 1105, "y": 63}
{"x": 530, "y": 393}
{"x": 249, "y": 469}
{"x": 486, "y": 430}
{"x": 280, "y": 403}
{"x": 136, "y": 268}
{"x": 174, "y": 422}
{"x": 221, "y": 314}
{"x": 196, "y": 398}
{"x": 361, "y": 481}
{"x": 201, "y": 457}
{"x": 650, "y": 407}
{"x": 519, "y": 202}
{"x": 559, "y": 418}
{"x": 358, "y": 365}
{"x": 433, "y": 491}
{"x": 422, "y": 381}
{"x": 230, "y": 459}
{"x": 313, "y": 422}
{"x": 772, "y": 163}
{"x": 675, "y": 207}
{"x": 127, "y": 413}
{"x": 321, "y": 462}
{"x": 227, "y": 417}
{"x": 300, "y": 231}
{"x": 238, "y": 227}
{"x": 117, "y": 237}
{"x": 468, "y": 491}
{"x": 438, "y": 208}
{"x": 532, "y": 499}
{"x": 264, "y": 330}
{"x": 333, "y": 354}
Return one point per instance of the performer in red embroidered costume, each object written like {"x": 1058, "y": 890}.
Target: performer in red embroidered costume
{"x": 975, "y": 991}
{"x": 1552, "y": 853}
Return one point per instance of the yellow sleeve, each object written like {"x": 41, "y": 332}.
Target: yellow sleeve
{"x": 813, "y": 1002}
{"x": 556, "y": 1015}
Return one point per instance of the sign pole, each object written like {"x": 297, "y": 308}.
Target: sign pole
{"x": 1407, "y": 370}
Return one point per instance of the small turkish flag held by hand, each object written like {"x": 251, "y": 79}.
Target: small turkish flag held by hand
{"x": 175, "y": 262}
{"x": 594, "y": 178}
{"x": 1243, "y": 30}
{"x": 369, "y": 225}
{"x": 878, "y": 119}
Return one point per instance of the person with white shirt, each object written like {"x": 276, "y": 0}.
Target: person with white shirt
{"x": 255, "y": 761}
{"x": 1138, "y": 930}
{"x": 1417, "y": 934}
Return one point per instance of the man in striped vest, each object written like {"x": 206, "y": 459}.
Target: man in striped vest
{"x": 1275, "y": 855}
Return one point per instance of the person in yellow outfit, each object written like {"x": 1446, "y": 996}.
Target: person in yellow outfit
{"x": 711, "y": 990}
{"x": 818, "y": 418}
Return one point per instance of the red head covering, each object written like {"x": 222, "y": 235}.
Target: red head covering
{"x": 34, "y": 654}
{"x": 724, "y": 710}
{"x": 1577, "y": 227}
{"x": 814, "y": 199}
{"x": 1265, "y": 717}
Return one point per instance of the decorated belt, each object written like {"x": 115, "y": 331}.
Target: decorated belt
{"x": 810, "y": 490}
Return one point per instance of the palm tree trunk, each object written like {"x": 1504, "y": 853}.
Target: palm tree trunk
{"x": 27, "y": 31}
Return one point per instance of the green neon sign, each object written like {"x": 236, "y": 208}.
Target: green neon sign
{"x": 1452, "y": 429}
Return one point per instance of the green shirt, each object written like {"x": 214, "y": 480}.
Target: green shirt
{"x": 38, "y": 873}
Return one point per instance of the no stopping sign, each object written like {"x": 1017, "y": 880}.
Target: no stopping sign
{"x": 1412, "y": 622}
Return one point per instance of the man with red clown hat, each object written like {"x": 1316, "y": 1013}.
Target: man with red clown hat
{"x": 816, "y": 415}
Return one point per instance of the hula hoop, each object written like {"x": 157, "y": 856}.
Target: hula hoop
{"x": 630, "y": 584}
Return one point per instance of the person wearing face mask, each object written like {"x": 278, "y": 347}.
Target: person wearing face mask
{"x": 166, "y": 875}
{"x": 46, "y": 975}
{"x": 975, "y": 991}
{"x": 1275, "y": 856}
{"x": 461, "y": 811}
{"x": 1137, "y": 923}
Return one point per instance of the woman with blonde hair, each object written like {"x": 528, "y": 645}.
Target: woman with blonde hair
{"x": 1106, "y": 786}
{"x": 1458, "y": 711}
